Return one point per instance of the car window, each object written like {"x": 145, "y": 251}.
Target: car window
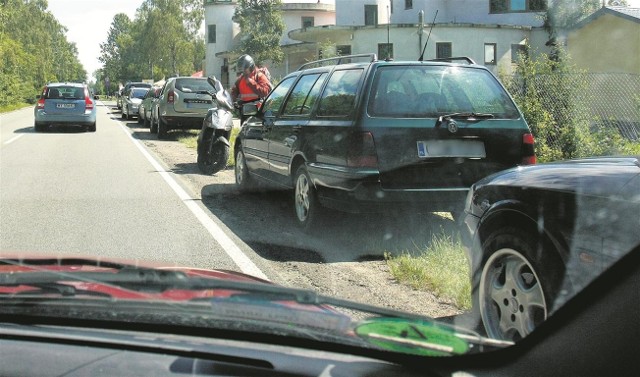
{"x": 338, "y": 99}
{"x": 138, "y": 92}
{"x": 304, "y": 95}
{"x": 67, "y": 92}
{"x": 188, "y": 85}
{"x": 430, "y": 91}
{"x": 274, "y": 100}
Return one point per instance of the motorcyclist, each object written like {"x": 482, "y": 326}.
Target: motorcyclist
{"x": 252, "y": 83}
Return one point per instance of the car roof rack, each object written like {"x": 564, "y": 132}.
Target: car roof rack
{"x": 450, "y": 60}
{"x": 340, "y": 60}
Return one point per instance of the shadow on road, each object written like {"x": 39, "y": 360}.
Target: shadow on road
{"x": 266, "y": 221}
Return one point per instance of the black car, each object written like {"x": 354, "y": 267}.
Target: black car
{"x": 369, "y": 136}
{"x": 537, "y": 234}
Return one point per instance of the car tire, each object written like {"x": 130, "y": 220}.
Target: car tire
{"x": 512, "y": 306}
{"x": 244, "y": 181}
{"x": 139, "y": 120}
{"x": 92, "y": 127}
{"x": 308, "y": 210}
{"x": 146, "y": 123}
{"x": 153, "y": 126}
{"x": 39, "y": 127}
{"x": 163, "y": 129}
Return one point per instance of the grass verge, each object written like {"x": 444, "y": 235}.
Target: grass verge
{"x": 441, "y": 268}
{"x": 13, "y": 106}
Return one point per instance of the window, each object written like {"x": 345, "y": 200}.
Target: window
{"x": 304, "y": 95}
{"x": 506, "y": 6}
{"x": 385, "y": 50}
{"x": 274, "y": 100}
{"x": 211, "y": 34}
{"x": 339, "y": 97}
{"x": 443, "y": 50}
{"x": 370, "y": 14}
{"x": 343, "y": 50}
{"x": 307, "y": 22}
{"x": 490, "y": 53}
{"x": 516, "y": 50}
{"x": 408, "y": 4}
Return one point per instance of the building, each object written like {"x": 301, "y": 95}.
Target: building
{"x": 491, "y": 32}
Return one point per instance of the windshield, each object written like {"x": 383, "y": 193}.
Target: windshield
{"x": 375, "y": 199}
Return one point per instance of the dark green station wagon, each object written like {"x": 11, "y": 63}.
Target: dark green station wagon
{"x": 368, "y": 136}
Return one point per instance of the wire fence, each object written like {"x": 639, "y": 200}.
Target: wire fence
{"x": 611, "y": 100}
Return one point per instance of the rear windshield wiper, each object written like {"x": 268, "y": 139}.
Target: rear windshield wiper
{"x": 470, "y": 116}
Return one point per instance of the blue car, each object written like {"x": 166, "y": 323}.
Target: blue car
{"x": 65, "y": 104}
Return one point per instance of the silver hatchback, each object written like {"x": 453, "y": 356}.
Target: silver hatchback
{"x": 183, "y": 104}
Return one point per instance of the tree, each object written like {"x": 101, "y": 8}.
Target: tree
{"x": 564, "y": 14}
{"x": 261, "y": 27}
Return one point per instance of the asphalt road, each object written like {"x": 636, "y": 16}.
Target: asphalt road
{"x": 68, "y": 191}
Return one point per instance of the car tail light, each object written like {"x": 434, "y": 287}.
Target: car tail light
{"x": 88, "y": 103}
{"x": 362, "y": 151}
{"x": 171, "y": 96}
{"x": 528, "y": 152}
{"x": 40, "y": 104}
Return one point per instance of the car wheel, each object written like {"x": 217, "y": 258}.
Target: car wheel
{"x": 244, "y": 181}
{"x": 92, "y": 127}
{"x": 39, "y": 127}
{"x": 163, "y": 129}
{"x": 139, "y": 120}
{"x": 146, "y": 123}
{"x": 153, "y": 126}
{"x": 516, "y": 290}
{"x": 309, "y": 212}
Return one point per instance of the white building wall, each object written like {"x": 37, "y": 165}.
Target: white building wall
{"x": 219, "y": 14}
{"x": 351, "y": 12}
{"x": 293, "y": 20}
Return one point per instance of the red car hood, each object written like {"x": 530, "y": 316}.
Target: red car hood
{"x": 19, "y": 263}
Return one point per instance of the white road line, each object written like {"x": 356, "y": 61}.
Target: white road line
{"x": 13, "y": 139}
{"x": 239, "y": 258}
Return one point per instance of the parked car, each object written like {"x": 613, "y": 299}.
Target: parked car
{"x": 65, "y": 104}
{"x": 537, "y": 234}
{"x": 364, "y": 137}
{"x": 144, "y": 111}
{"x": 125, "y": 89}
{"x": 132, "y": 100}
{"x": 183, "y": 104}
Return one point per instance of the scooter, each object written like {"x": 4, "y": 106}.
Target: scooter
{"x": 213, "y": 140}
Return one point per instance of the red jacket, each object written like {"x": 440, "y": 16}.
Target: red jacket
{"x": 251, "y": 87}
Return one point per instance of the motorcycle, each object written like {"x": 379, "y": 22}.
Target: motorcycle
{"x": 213, "y": 139}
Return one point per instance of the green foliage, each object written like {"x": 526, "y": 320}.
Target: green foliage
{"x": 261, "y": 28}
{"x": 33, "y": 51}
{"x": 441, "y": 268}
{"x": 551, "y": 94}
{"x": 564, "y": 14}
{"x": 161, "y": 41}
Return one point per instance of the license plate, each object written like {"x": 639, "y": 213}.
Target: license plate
{"x": 66, "y": 105}
{"x": 451, "y": 148}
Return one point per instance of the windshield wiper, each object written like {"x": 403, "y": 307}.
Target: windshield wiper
{"x": 470, "y": 116}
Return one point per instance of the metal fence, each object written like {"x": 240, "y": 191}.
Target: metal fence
{"x": 601, "y": 99}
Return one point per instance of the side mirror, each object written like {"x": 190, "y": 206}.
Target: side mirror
{"x": 249, "y": 109}
{"x": 96, "y": 97}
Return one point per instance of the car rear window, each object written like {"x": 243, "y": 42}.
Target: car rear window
{"x": 189, "y": 85}
{"x": 65, "y": 92}
{"x": 431, "y": 91}
{"x": 138, "y": 92}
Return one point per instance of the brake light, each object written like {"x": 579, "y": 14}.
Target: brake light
{"x": 171, "y": 96}
{"x": 40, "y": 104}
{"x": 362, "y": 152}
{"x": 528, "y": 151}
{"x": 88, "y": 103}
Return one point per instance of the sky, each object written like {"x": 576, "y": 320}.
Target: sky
{"x": 88, "y": 23}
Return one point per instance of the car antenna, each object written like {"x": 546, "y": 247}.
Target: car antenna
{"x": 427, "y": 42}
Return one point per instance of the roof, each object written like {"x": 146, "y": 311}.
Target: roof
{"x": 631, "y": 14}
